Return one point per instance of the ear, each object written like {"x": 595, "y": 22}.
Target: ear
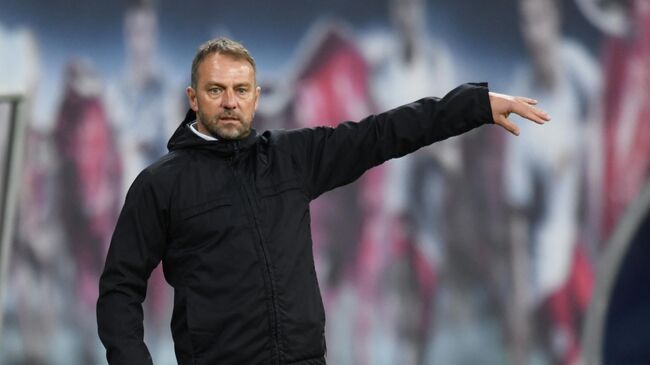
{"x": 191, "y": 97}
{"x": 258, "y": 90}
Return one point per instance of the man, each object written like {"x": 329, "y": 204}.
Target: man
{"x": 88, "y": 191}
{"x": 543, "y": 185}
{"x": 227, "y": 211}
{"x": 402, "y": 249}
{"x": 143, "y": 104}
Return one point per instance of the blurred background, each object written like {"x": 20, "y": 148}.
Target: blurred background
{"x": 485, "y": 248}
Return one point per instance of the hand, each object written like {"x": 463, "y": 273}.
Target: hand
{"x": 502, "y": 105}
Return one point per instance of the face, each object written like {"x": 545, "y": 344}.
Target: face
{"x": 226, "y": 96}
{"x": 140, "y": 31}
{"x": 541, "y": 30}
{"x": 408, "y": 17}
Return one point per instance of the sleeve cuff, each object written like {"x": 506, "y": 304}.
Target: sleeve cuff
{"x": 484, "y": 110}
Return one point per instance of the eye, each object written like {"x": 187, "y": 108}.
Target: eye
{"x": 215, "y": 90}
{"x": 242, "y": 90}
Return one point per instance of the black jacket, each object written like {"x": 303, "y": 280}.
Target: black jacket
{"x": 230, "y": 222}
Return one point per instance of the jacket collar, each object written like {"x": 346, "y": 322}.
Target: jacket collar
{"x": 184, "y": 138}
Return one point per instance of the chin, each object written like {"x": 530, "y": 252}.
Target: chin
{"x": 232, "y": 134}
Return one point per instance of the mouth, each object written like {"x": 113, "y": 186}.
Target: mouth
{"x": 229, "y": 117}
{"x": 229, "y": 121}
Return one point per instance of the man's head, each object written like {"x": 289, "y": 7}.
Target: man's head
{"x": 540, "y": 26}
{"x": 141, "y": 33}
{"x": 408, "y": 18}
{"x": 224, "y": 92}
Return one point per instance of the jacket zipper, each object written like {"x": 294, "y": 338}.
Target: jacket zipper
{"x": 265, "y": 254}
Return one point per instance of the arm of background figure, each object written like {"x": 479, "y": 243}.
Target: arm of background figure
{"x": 136, "y": 249}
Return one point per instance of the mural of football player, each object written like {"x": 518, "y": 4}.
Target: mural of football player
{"x": 552, "y": 275}
{"x": 330, "y": 70}
{"x": 89, "y": 175}
{"x": 402, "y": 243}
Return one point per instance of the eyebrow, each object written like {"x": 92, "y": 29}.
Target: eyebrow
{"x": 215, "y": 83}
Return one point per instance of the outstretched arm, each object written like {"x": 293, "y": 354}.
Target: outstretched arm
{"x": 503, "y": 105}
{"x": 331, "y": 157}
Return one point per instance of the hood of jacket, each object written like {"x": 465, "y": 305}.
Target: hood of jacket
{"x": 184, "y": 138}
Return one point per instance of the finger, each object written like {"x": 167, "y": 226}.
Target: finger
{"x": 527, "y": 100}
{"x": 507, "y": 125}
{"x": 542, "y": 114}
{"x": 531, "y": 113}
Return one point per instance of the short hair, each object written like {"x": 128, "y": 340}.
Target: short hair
{"x": 141, "y": 4}
{"x": 220, "y": 46}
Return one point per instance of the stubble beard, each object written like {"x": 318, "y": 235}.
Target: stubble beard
{"x": 219, "y": 130}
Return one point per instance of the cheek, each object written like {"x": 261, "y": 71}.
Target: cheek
{"x": 208, "y": 105}
{"x": 250, "y": 105}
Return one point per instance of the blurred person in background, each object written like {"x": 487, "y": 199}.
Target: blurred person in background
{"x": 40, "y": 269}
{"x": 626, "y": 130}
{"x": 144, "y": 108}
{"x": 142, "y": 102}
{"x": 332, "y": 71}
{"x": 35, "y": 267}
{"x": 551, "y": 268}
{"x": 89, "y": 189}
{"x": 402, "y": 241}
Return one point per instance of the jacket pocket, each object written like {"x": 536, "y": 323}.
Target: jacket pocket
{"x": 279, "y": 187}
{"x": 204, "y": 207}
{"x": 200, "y": 225}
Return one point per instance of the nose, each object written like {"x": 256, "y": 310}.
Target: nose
{"x": 228, "y": 100}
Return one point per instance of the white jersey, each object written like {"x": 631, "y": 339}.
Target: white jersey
{"x": 144, "y": 119}
{"x": 396, "y": 81}
{"x": 550, "y": 155}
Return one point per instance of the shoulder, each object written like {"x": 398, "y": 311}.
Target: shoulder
{"x": 577, "y": 59}
{"x": 279, "y": 137}
{"x": 377, "y": 46}
{"x": 163, "y": 173}
{"x": 580, "y": 65}
{"x": 293, "y": 140}
{"x": 572, "y": 51}
{"x": 170, "y": 162}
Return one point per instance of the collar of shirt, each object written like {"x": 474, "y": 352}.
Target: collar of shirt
{"x": 202, "y": 135}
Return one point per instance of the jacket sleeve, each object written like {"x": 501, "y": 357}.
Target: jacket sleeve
{"x": 331, "y": 157}
{"x": 136, "y": 248}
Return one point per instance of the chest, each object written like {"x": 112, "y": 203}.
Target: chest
{"x": 243, "y": 198}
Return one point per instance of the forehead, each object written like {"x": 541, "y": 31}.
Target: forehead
{"x": 139, "y": 20}
{"x": 222, "y": 68}
{"x": 538, "y": 8}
